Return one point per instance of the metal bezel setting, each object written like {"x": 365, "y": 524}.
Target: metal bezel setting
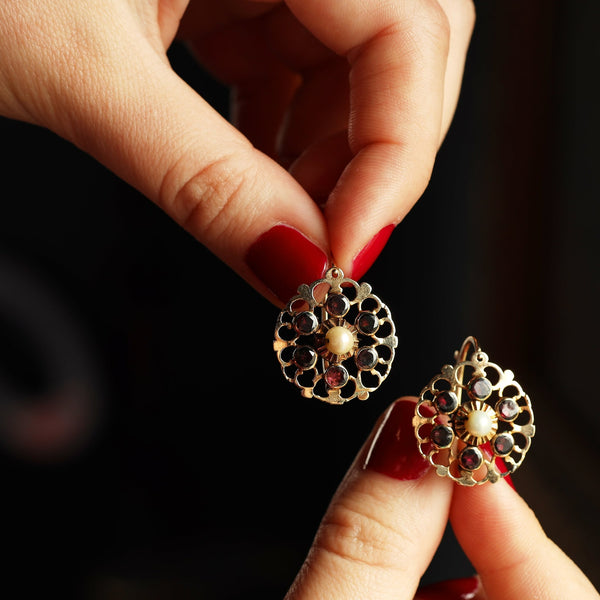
{"x": 487, "y": 388}
{"x": 322, "y": 378}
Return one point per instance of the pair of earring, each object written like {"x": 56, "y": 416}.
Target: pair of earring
{"x": 335, "y": 340}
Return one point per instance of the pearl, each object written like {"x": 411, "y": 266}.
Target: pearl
{"x": 479, "y": 423}
{"x": 339, "y": 340}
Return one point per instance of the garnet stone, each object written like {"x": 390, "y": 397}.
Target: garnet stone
{"x": 366, "y": 358}
{"x": 441, "y": 436}
{"x": 446, "y": 402}
{"x": 337, "y": 305}
{"x": 480, "y": 388}
{"x": 470, "y": 458}
{"x": 367, "y": 323}
{"x": 305, "y": 357}
{"x": 508, "y": 409}
{"x": 305, "y": 323}
{"x": 336, "y": 376}
{"x": 503, "y": 444}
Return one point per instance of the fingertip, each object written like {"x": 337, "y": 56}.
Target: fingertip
{"x": 394, "y": 451}
{"x": 282, "y": 258}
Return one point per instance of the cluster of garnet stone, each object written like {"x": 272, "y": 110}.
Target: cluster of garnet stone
{"x": 335, "y": 340}
{"x": 474, "y": 422}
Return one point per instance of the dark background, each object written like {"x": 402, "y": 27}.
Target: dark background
{"x": 192, "y": 468}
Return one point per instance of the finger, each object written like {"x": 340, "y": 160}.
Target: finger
{"x": 509, "y": 549}
{"x": 384, "y": 522}
{"x": 261, "y": 85}
{"x": 461, "y": 20}
{"x": 318, "y": 168}
{"x": 397, "y": 52}
{"x": 115, "y": 95}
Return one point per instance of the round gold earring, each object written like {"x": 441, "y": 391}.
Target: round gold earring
{"x": 335, "y": 340}
{"x": 473, "y": 421}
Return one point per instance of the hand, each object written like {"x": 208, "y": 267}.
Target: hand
{"x": 387, "y": 519}
{"x": 341, "y": 103}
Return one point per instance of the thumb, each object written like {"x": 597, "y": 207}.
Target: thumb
{"x": 99, "y": 81}
{"x": 203, "y": 173}
{"x": 384, "y": 523}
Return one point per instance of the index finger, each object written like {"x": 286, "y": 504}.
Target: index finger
{"x": 384, "y": 523}
{"x": 398, "y": 53}
{"x": 507, "y": 545}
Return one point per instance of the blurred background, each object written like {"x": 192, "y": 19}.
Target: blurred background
{"x": 134, "y": 465}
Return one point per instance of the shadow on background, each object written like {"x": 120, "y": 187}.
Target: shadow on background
{"x": 150, "y": 445}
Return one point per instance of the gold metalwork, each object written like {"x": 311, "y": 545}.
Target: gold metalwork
{"x": 520, "y": 428}
{"x": 461, "y": 419}
{"x": 312, "y": 381}
{"x": 322, "y": 348}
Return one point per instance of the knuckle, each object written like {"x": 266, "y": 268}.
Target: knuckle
{"x": 207, "y": 202}
{"x": 352, "y": 536}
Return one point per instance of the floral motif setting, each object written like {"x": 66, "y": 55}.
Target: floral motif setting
{"x": 335, "y": 340}
{"x": 476, "y": 431}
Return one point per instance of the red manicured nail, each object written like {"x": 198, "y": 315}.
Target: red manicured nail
{"x": 394, "y": 450}
{"x": 366, "y": 257}
{"x": 283, "y": 258}
{"x": 456, "y": 589}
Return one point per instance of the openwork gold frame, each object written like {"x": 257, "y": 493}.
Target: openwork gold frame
{"x": 313, "y": 299}
{"x": 500, "y": 452}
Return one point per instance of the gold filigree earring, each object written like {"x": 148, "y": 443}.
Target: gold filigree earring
{"x": 335, "y": 340}
{"x": 473, "y": 421}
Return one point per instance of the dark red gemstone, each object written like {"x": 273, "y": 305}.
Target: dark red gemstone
{"x": 441, "y": 436}
{"x": 337, "y": 305}
{"x": 367, "y": 323}
{"x": 503, "y": 444}
{"x": 366, "y": 358}
{"x": 305, "y": 357}
{"x": 470, "y": 458}
{"x": 508, "y": 409}
{"x": 305, "y": 323}
{"x": 480, "y": 388}
{"x": 336, "y": 376}
{"x": 446, "y": 402}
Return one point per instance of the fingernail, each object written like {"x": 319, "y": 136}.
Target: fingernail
{"x": 456, "y": 589}
{"x": 366, "y": 257}
{"x": 283, "y": 258}
{"x": 394, "y": 451}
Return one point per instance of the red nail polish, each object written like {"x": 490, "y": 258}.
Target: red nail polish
{"x": 456, "y": 589}
{"x": 366, "y": 257}
{"x": 394, "y": 450}
{"x": 283, "y": 258}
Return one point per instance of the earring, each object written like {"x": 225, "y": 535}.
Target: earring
{"x": 472, "y": 416}
{"x": 335, "y": 340}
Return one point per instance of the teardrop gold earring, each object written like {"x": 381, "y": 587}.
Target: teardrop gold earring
{"x": 473, "y": 421}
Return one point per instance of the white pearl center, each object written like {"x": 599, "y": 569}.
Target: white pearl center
{"x": 339, "y": 340}
{"x": 479, "y": 423}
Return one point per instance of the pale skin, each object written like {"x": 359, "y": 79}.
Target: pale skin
{"x": 338, "y": 109}
{"x": 379, "y": 535}
{"x": 342, "y": 103}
